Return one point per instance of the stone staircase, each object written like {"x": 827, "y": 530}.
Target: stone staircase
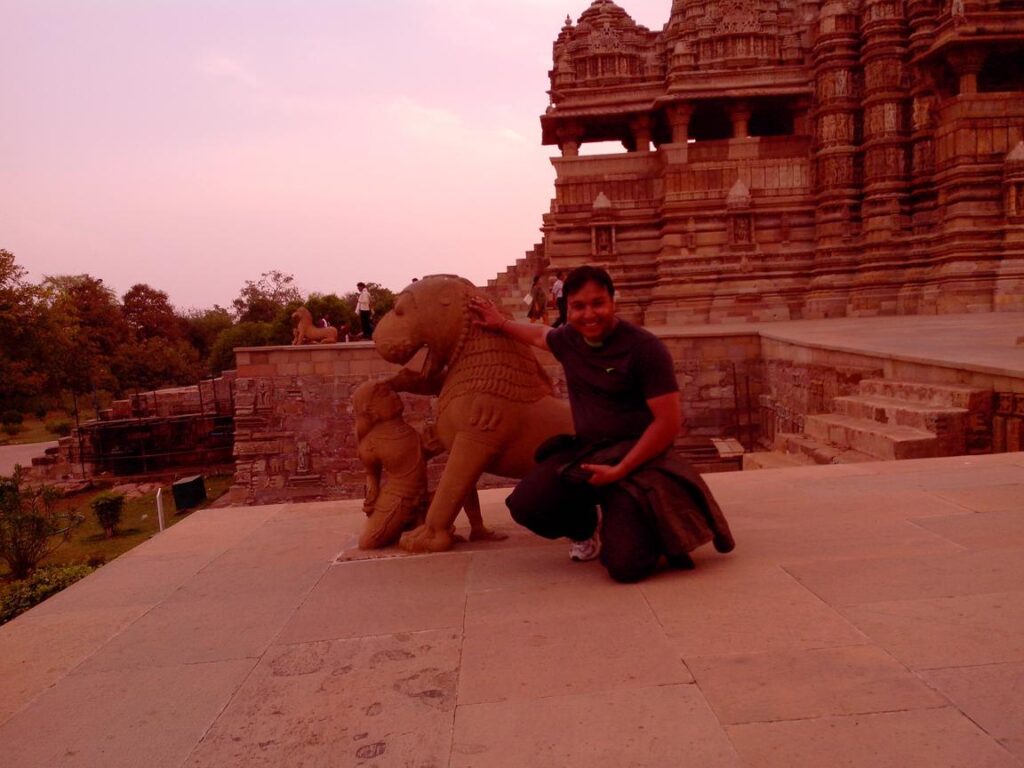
{"x": 893, "y": 420}
{"x": 509, "y": 287}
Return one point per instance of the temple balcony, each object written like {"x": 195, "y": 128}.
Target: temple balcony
{"x": 974, "y": 27}
{"x": 978, "y": 127}
{"x": 631, "y": 164}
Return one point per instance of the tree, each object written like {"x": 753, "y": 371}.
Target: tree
{"x": 222, "y": 355}
{"x": 23, "y": 338}
{"x": 31, "y": 524}
{"x": 261, "y": 301}
{"x": 338, "y": 312}
{"x": 149, "y": 314}
{"x": 108, "y": 508}
{"x": 89, "y": 329}
{"x": 204, "y": 326}
{"x": 154, "y": 363}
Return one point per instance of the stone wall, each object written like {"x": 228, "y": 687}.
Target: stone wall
{"x": 1008, "y": 422}
{"x": 295, "y": 435}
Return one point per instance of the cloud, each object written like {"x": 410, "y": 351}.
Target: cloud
{"x": 228, "y": 68}
{"x": 511, "y": 135}
{"x": 443, "y": 128}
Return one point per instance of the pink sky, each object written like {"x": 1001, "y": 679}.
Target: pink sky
{"x": 193, "y": 144}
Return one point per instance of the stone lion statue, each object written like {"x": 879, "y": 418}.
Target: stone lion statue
{"x": 495, "y": 402}
{"x": 305, "y": 330}
{"x": 395, "y": 457}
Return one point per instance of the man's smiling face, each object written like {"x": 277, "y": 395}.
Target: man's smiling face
{"x": 591, "y": 311}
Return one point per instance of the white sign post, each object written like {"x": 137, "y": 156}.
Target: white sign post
{"x": 160, "y": 507}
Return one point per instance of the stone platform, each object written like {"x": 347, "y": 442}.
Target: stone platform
{"x": 871, "y": 615}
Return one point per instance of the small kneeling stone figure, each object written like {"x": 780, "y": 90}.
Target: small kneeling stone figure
{"x": 388, "y": 444}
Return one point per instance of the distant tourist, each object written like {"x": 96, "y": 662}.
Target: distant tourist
{"x": 559, "y": 299}
{"x": 538, "y": 301}
{"x": 363, "y": 307}
{"x": 624, "y": 397}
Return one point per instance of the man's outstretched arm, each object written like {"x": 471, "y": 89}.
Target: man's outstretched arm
{"x": 488, "y": 316}
{"x": 658, "y": 437}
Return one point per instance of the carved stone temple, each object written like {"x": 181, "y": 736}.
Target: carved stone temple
{"x": 777, "y": 159}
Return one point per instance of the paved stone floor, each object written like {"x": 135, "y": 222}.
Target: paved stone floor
{"x": 983, "y": 341}
{"x": 871, "y": 615}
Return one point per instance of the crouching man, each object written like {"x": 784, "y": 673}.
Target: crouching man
{"x": 625, "y": 406}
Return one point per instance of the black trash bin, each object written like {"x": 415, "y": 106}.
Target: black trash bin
{"x": 188, "y": 492}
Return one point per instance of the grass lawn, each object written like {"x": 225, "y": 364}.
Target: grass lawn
{"x": 34, "y": 430}
{"x": 138, "y": 523}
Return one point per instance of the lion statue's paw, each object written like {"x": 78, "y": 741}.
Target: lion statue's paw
{"x": 426, "y": 539}
{"x": 487, "y": 534}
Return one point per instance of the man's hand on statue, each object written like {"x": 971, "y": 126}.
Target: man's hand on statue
{"x": 487, "y": 315}
{"x": 603, "y": 474}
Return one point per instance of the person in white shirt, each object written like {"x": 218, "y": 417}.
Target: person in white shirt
{"x": 363, "y": 308}
{"x": 559, "y": 299}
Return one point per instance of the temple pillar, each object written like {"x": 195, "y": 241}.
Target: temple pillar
{"x": 569, "y": 140}
{"x": 641, "y": 128}
{"x": 679, "y": 118}
{"x": 886, "y": 140}
{"x": 967, "y": 65}
{"x": 835, "y": 66}
{"x": 740, "y": 114}
{"x": 921, "y": 15}
{"x": 1009, "y": 288}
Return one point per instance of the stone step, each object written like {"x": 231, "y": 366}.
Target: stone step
{"x": 947, "y": 423}
{"x": 929, "y": 394}
{"x": 773, "y": 460}
{"x": 882, "y": 441}
{"x": 810, "y": 451}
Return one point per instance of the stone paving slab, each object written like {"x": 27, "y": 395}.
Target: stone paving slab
{"x": 130, "y": 717}
{"x": 798, "y": 685}
{"x": 378, "y": 700}
{"x": 631, "y": 728}
{"x": 870, "y": 616}
{"x": 928, "y": 737}
{"x": 991, "y": 695}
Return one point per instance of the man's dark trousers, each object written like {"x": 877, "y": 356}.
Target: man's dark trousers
{"x": 554, "y": 507}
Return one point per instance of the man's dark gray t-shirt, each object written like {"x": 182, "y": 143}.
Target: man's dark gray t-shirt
{"x": 609, "y": 385}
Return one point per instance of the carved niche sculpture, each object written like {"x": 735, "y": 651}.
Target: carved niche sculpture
{"x": 305, "y": 330}
{"x": 495, "y": 402}
{"x": 391, "y": 449}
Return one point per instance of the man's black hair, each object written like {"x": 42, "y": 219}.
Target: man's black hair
{"x": 360, "y": 286}
{"x": 588, "y": 273}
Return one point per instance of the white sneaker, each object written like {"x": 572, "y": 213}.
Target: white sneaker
{"x": 588, "y": 549}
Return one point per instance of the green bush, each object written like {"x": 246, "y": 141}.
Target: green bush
{"x": 31, "y": 524}
{"x": 108, "y": 508}
{"x": 11, "y": 417}
{"x": 12, "y": 429}
{"x": 40, "y": 412}
{"x": 18, "y": 597}
{"x": 58, "y": 426}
